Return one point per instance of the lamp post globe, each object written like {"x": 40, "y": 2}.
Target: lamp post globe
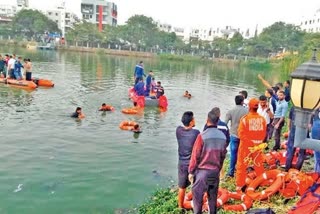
{"x": 305, "y": 96}
{"x": 305, "y": 85}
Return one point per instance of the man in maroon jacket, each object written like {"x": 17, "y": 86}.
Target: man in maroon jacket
{"x": 207, "y": 158}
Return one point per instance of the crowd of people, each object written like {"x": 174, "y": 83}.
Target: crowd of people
{"x": 253, "y": 124}
{"x": 11, "y": 67}
{"x": 151, "y": 89}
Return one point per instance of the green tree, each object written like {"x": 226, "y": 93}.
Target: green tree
{"x": 32, "y": 23}
{"x": 280, "y": 36}
{"x": 236, "y": 43}
{"x": 85, "y": 32}
{"x": 219, "y": 46}
{"x": 141, "y": 31}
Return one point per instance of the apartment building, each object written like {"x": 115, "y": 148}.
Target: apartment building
{"x": 311, "y": 24}
{"x": 64, "y": 19}
{"x": 99, "y": 12}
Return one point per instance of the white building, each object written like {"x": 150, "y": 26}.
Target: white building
{"x": 22, "y": 4}
{"x": 311, "y": 24}
{"x": 65, "y": 19}
{"x": 8, "y": 10}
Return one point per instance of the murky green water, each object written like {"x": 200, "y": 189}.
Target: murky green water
{"x": 51, "y": 163}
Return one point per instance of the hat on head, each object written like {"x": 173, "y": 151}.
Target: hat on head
{"x": 253, "y": 103}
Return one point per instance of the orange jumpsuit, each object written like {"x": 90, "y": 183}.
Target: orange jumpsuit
{"x": 251, "y": 131}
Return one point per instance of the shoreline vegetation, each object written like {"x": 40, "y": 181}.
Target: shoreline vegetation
{"x": 252, "y": 62}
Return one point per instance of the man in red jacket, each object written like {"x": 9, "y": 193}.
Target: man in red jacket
{"x": 208, "y": 154}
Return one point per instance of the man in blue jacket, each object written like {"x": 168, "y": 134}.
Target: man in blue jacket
{"x": 139, "y": 87}
{"x": 138, "y": 72}
{"x": 148, "y": 83}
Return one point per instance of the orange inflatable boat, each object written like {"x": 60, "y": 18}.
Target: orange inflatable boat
{"x": 43, "y": 82}
{"x": 19, "y": 83}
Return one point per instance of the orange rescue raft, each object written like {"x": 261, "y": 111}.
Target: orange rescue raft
{"x": 43, "y": 82}
{"x": 127, "y": 125}
{"x": 19, "y": 83}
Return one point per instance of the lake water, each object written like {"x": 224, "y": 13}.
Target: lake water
{"x": 51, "y": 163}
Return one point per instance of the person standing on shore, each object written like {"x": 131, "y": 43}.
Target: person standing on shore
{"x": 208, "y": 154}
{"x": 290, "y": 144}
{"x": 186, "y": 136}
{"x": 315, "y": 134}
{"x": 279, "y": 118}
{"x": 234, "y": 115}
{"x": 252, "y": 130}
{"x": 266, "y": 111}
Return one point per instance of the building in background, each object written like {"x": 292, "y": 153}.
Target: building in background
{"x": 311, "y": 24}
{"x": 22, "y": 4}
{"x": 65, "y": 19}
{"x": 7, "y": 10}
{"x": 99, "y": 12}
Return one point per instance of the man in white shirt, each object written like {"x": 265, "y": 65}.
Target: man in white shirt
{"x": 11, "y": 63}
{"x": 245, "y": 96}
{"x": 266, "y": 111}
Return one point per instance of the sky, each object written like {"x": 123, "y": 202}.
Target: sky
{"x": 203, "y": 13}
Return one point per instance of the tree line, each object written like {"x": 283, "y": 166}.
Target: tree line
{"x": 141, "y": 33}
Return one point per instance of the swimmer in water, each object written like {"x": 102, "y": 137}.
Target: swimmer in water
{"x": 136, "y": 129}
{"x": 105, "y": 107}
{"x": 78, "y": 113}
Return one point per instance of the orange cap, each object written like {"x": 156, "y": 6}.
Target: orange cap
{"x": 253, "y": 103}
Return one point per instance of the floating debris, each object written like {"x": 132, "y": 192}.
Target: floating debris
{"x": 19, "y": 188}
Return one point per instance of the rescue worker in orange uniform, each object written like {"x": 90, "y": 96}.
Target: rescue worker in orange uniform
{"x": 252, "y": 130}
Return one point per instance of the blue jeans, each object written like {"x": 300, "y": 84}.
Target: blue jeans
{"x": 234, "y": 145}
{"x": 315, "y": 133}
{"x": 291, "y": 150}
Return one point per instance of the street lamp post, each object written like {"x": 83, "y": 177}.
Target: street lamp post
{"x": 305, "y": 95}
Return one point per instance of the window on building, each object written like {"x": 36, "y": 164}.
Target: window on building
{"x": 49, "y": 13}
{"x": 310, "y": 21}
{"x": 90, "y": 16}
{"x": 306, "y": 23}
{"x": 318, "y": 20}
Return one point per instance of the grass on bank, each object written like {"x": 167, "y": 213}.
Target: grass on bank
{"x": 165, "y": 200}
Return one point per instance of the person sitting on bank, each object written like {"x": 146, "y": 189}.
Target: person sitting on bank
{"x": 136, "y": 129}
{"x": 159, "y": 90}
{"x": 186, "y": 94}
{"x": 139, "y": 87}
{"x": 78, "y": 113}
{"x": 105, "y": 107}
